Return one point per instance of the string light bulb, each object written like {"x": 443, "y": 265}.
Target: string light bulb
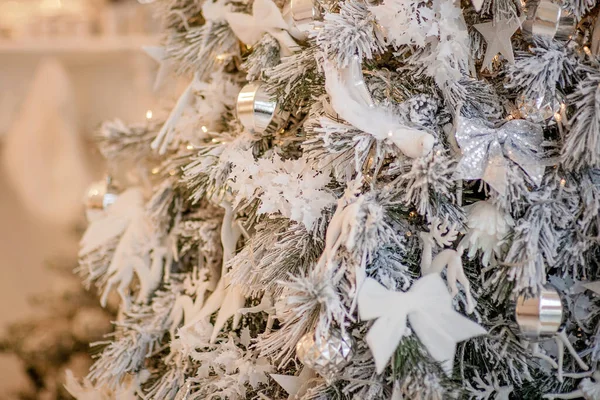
{"x": 149, "y": 114}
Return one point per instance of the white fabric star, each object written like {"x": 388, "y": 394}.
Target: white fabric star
{"x": 498, "y": 37}
{"x": 295, "y": 386}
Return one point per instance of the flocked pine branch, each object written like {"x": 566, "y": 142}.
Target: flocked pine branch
{"x": 582, "y": 144}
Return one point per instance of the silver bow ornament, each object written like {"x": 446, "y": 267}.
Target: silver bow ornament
{"x": 486, "y": 150}
{"x": 266, "y": 18}
{"x": 428, "y": 308}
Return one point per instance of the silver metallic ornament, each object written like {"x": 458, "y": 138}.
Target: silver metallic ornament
{"x": 326, "y": 354}
{"x": 255, "y": 107}
{"x": 301, "y": 15}
{"x": 541, "y": 316}
{"x": 102, "y": 194}
{"x": 540, "y": 110}
{"x": 488, "y": 150}
{"x": 549, "y": 20}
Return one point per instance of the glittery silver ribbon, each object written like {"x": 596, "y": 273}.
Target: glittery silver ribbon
{"x": 486, "y": 150}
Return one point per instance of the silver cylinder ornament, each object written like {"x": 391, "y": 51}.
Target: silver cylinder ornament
{"x": 549, "y": 20}
{"x": 255, "y": 107}
{"x": 301, "y": 15}
{"x": 102, "y": 194}
{"x": 540, "y": 316}
{"x": 326, "y": 354}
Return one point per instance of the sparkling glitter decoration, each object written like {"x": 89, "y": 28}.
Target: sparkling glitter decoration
{"x": 326, "y": 354}
{"x": 541, "y": 316}
{"x": 540, "y": 110}
{"x": 102, "y": 194}
{"x": 486, "y": 150}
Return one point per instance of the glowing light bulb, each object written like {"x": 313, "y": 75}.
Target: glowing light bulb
{"x": 204, "y": 129}
{"x": 149, "y": 114}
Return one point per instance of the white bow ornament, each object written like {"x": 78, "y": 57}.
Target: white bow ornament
{"x": 352, "y": 101}
{"x": 428, "y": 308}
{"x": 266, "y": 18}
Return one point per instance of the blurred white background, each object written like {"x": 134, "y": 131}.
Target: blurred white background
{"x": 65, "y": 66}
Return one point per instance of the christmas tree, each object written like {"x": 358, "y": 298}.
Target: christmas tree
{"x": 387, "y": 199}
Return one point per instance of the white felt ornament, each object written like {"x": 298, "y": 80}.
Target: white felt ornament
{"x": 266, "y": 18}
{"x": 295, "y": 386}
{"x": 342, "y": 226}
{"x": 138, "y": 251}
{"x": 165, "y": 135}
{"x": 352, "y": 101}
{"x": 165, "y": 67}
{"x": 228, "y": 299}
{"x": 497, "y": 35}
{"x": 443, "y": 234}
{"x": 428, "y": 308}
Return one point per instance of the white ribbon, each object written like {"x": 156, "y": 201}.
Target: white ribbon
{"x": 428, "y": 308}
{"x": 351, "y": 100}
{"x": 266, "y": 18}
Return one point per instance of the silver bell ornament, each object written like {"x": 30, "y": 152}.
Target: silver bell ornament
{"x": 540, "y": 316}
{"x": 546, "y": 19}
{"x": 101, "y": 195}
{"x": 301, "y": 16}
{"x": 255, "y": 107}
{"x": 326, "y": 354}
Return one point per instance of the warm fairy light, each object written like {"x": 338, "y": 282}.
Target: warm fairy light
{"x": 587, "y": 50}
{"x": 221, "y": 57}
{"x": 149, "y": 114}
{"x": 563, "y": 182}
{"x": 189, "y": 147}
{"x": 172, "y": 172}
{"x": 155, "y": 170}
{"x": 390, "y": 133}
{"x": 49, "y": 5}
{"x": 215, "y": 140}
{"x": 557, "y": 117}
{"x": 204, "y": 129}
{"x": 408, "y": 234}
